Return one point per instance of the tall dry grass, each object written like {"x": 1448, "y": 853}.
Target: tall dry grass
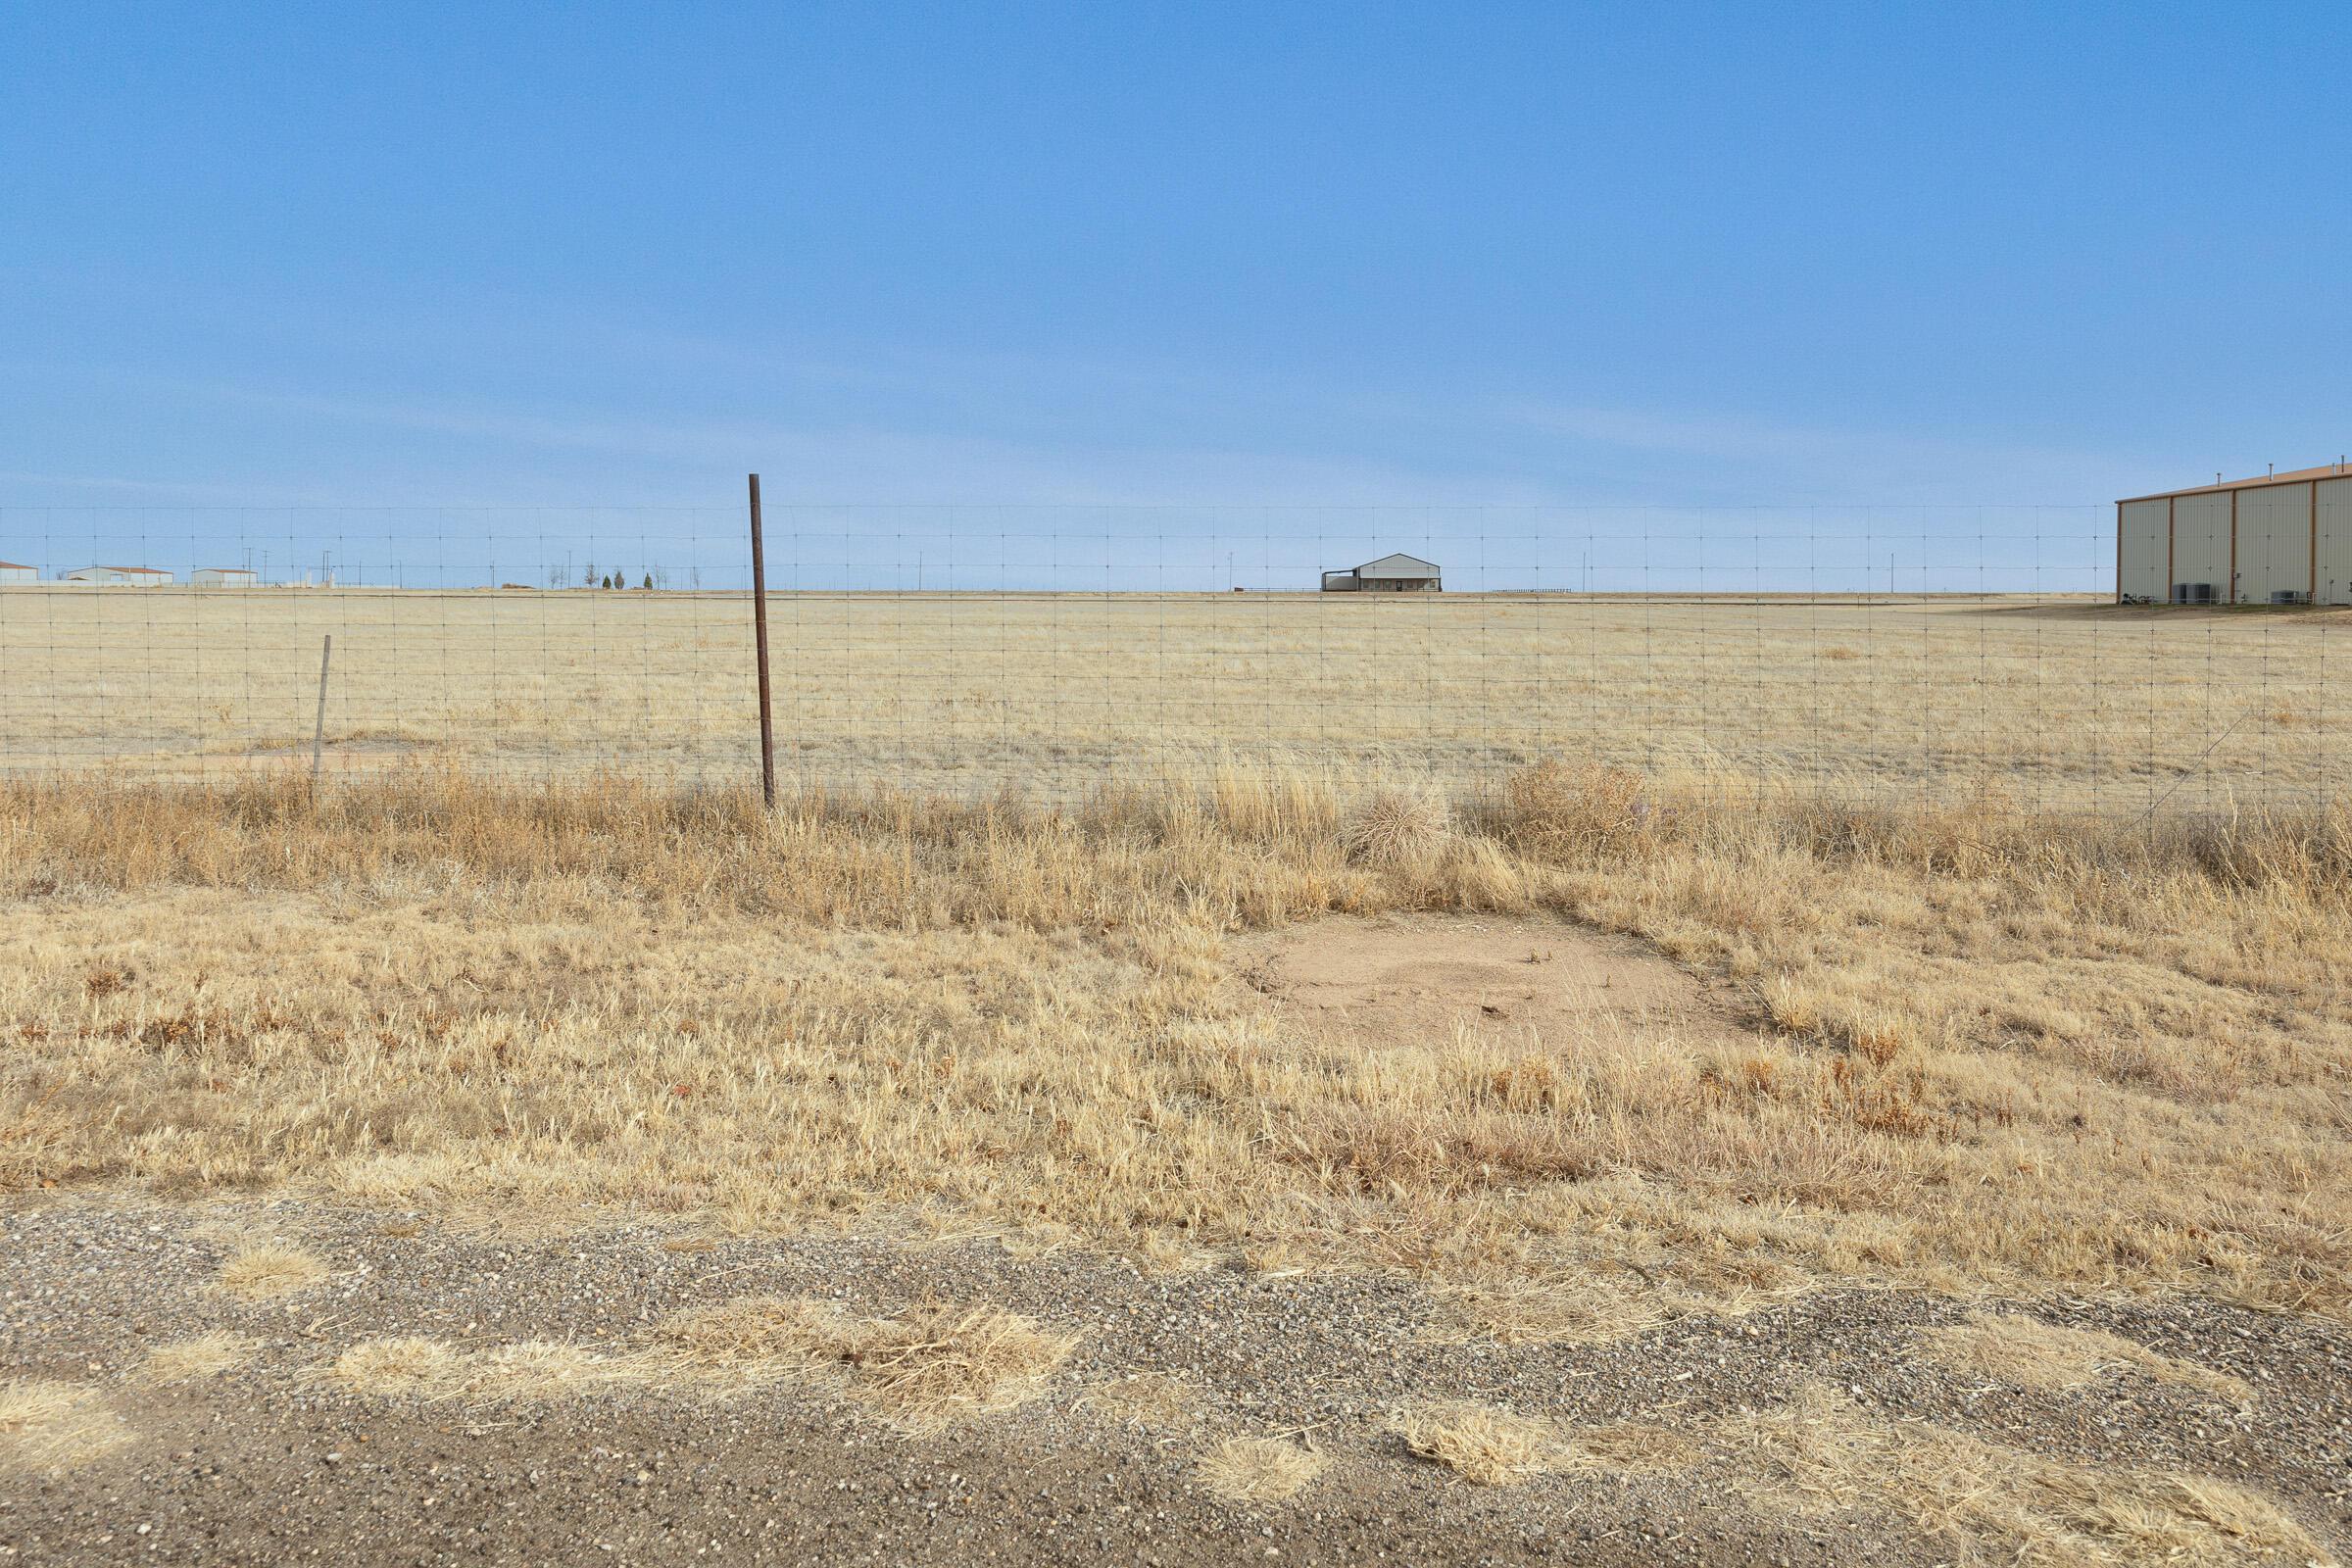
{"x": 1980, "y": 1049}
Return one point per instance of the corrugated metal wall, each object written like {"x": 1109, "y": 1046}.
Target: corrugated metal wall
{"x": 2146, "y": 526}
{"x": 2274, "y": 541}
{"x": 2201, "y": 541}
{"x": 2335, "y": 542}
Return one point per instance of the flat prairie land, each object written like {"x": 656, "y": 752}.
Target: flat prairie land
{"x": 1424, "y": 1148}
{"x": 2057, "y": 703}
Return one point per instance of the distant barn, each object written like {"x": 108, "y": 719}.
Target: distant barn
{"x": 133, "y": 576}
{"x": 1389, "y": 574}
{"x": 2280, "y": 539}
{"x": 225, "y": 577}
{"x": 12, "y": 571}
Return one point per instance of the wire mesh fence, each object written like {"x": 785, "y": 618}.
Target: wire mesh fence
{"x": 1929, "y": 653}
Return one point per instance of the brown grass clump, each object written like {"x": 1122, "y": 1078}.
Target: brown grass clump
{"x": 2031, "y": 1354}
{"x": 1392, "y": 826}
{"x": 762, "y": 1336}
{"x": 48, "y": 1427}
{"x": 264, "y": 1273}
{"x": 404, "y": 1367}
{"x": 1486, "y": 1448}
{"x": 933, "y": 1366}
{"x": 941, "y": 1363}
{"x": 1821, "y": 1453}
{"x": 529, "y": 1371}
{"x": 1259, "y": 1469}
{"x": 542, "y": 1370}
{"x": 1559, "y": 810}
{"x": 193, "y": 1359}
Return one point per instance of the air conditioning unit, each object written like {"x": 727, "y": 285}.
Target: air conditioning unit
{"x": 2193, "y": 593}
{"x": 2290, "y": 595}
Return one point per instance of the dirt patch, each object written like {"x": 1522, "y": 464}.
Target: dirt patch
{"x": 1407, "y": 979}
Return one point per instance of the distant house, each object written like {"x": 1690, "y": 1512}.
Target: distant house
{"x": 131, "y": 576}
{"x": 224, "y": 577}
{"x": 12, "y": 571}
{"x": 1389, "y": 574}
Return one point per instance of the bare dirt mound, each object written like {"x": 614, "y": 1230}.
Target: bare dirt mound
{"x": 1400, "y": 979}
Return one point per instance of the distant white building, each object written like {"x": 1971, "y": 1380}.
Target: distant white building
{"x": 1389, "y": 574}
{"x": 131, "y": 576}
{"x": 12, "y": 571}
{"x": 225, "y": 577}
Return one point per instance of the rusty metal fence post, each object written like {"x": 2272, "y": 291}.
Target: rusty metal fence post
{"x": 768, "y": 724}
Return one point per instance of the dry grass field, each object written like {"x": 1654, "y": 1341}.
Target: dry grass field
{"x": 1723, "y": 1126}
{"x": 2060, "y": 703}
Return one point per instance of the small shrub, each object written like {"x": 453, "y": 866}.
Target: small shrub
{"x": 1395, "y": 826}
{"x": 1556, "y": 811}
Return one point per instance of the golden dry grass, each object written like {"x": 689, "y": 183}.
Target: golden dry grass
{"x": 440, "y": 993}
{"x": 1628, "y": 1449}
{"x": 49, "y": 1427}
{"x": 197, "y": 1357}
{"x": 266, "y": 1272}
{"x": 2011, "y": 1348}
{"x": 1822, "y": 1455}
{"x": 926, "y": 1368}
{"x": 1259, "y": 1469}
{"x": 419, "y": 1367}
{"x": 2064, "y": 700}
{"x": 400, "y": 1366}
{"x": 1486, "y": 1448}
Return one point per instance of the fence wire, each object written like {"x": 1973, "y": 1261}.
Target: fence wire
{"x": 1872, "y": 653}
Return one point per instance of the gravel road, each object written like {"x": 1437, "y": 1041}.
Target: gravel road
{"x": 270, "y": 1461}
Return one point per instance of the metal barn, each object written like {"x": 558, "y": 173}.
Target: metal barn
{"x": 133, "y": 576}
{"x": 15, "y": 571}
{"x": 224, "y": 577}
{"x": 1389, "y": 574}
{"x": 2280, "y": 539}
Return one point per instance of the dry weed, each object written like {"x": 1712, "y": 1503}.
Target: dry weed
{"x": 1629, "y": 1448}
{"x": 1821, "y": 1453}
{"x": 759, "y": 1337}
{"x": 404, "y": 1367}
{"x": 530, "y": 1371}
{"x": 48, "y": 1427}
{"x": 1394, "y": 825}
{"x": 1560, "y": 811}
{"x": 264, "y": 1273}
{"x": 1579, "y": 1310}
{"x": 1259, "y": 1469}
{"x": 1486, "y": 1448}
{"x": 507, "y": 1001}
{"x": 2014, "y": 1349}
{"x": 936, "y": 1364}
{"x": 193, "y": 1359}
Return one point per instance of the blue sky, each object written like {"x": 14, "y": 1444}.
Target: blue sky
{"x": 1205, "y": 256}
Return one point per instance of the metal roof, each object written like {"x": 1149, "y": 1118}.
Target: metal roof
{"x": 14, "y": 565}
{"x": 1398, "y": 566}
{"x": 2328, "y": 471}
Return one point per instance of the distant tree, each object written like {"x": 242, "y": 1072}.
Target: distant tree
{"x": 605, "y": 581}
{"x": 588, "y": 574}
{"x": 648, "y": 584}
